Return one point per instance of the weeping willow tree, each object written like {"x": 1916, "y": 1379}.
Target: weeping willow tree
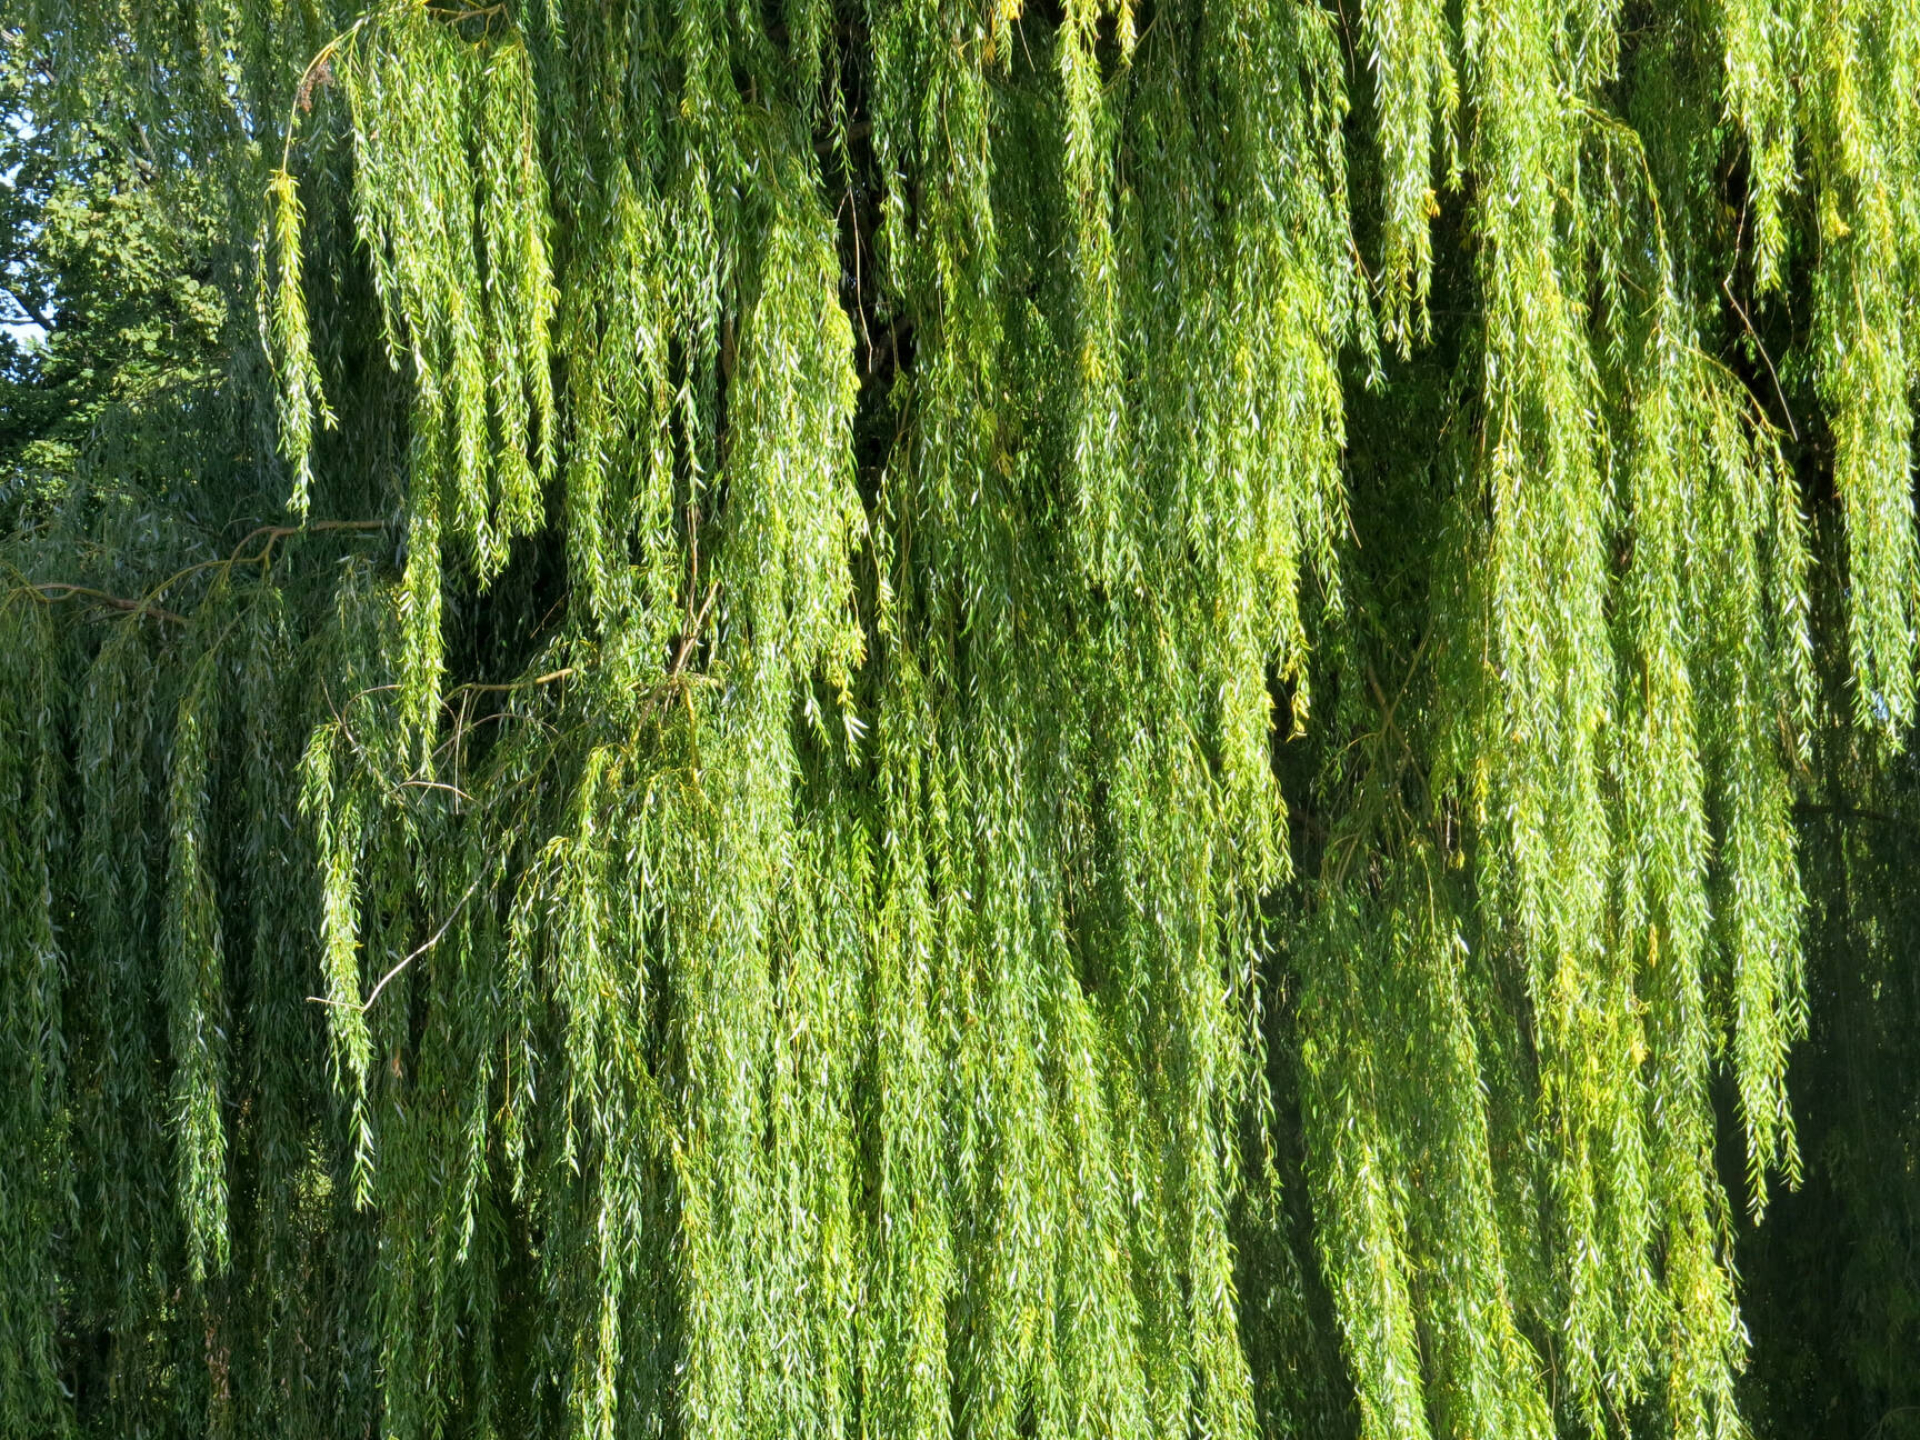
{"x": 884, "y": 718}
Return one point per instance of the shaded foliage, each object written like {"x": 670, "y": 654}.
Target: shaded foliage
{"x": 1834, "y": 1273}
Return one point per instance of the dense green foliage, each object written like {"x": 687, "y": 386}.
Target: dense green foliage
{"x": 1832, "y": 1279}
{"x": 884, "y": 718}
{"x": 111, "y": 259}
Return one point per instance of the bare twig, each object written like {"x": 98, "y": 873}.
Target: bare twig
{"x": 433, "y": 940}
{"x": 1760, "y": 345}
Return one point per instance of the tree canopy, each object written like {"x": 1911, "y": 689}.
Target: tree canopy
{"x": 892, "y": 718}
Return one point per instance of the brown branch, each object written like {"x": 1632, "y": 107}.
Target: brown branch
{"x": 274, "y": 533}
{"x": 52, "y": 590}
{"x": 698, "y": 624}
{"x": 277, "y": 533}
{"x": 29, "y": 309}
{"x": 1759, "y": 344}
{"x": 546, "y": 679}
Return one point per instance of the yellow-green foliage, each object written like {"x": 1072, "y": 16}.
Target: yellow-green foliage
{"x": 740, "y": 849}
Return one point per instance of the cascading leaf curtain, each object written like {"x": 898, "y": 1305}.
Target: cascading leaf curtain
{"x": 896, "y": 718}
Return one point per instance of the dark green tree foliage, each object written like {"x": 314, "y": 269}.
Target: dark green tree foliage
{"x": 688, "y": 804}
{"x": 111, "y": 286}
{"x": 1834, "y": 1273}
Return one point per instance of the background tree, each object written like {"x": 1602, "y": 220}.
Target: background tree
{"x": 685, "y": 799}
{"x": 110, "y": 275}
